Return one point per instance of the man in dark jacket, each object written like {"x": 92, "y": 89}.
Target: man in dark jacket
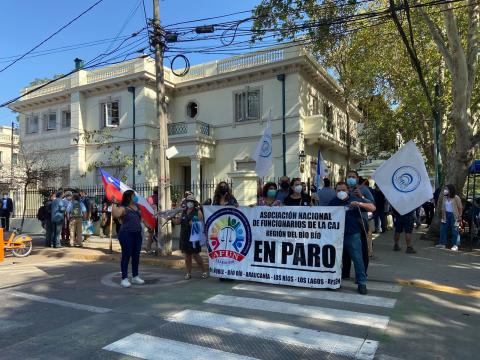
{"x": 6, "y": 210}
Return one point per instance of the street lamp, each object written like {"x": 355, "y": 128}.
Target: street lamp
{"x": 301, "y": 157}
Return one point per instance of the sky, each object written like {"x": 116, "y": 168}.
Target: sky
{"x": 24, "y": 24}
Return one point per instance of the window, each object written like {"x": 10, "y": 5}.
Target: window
{"x": 51, "y": 123}
{"x": 66, "y": 119}
{"x": 343, "y": 135}
{"x": 328, "y": 113}
{"x": 1, "y": 157}
{"x": 247, "y": 105}
{"x": 110, "y": 114}
{"x": 32, "y": 124}
{"x": 192, "y": 110}
{"x": 245, "y": 165}
{"x": 14, "y": 159}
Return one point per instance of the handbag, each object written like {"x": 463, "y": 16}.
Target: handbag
{"x": 87, "y": 227}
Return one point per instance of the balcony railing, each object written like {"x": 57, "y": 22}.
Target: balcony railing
{"x": 57, "y": 86}
{"x": 181, "y": 129}
{"x": 318, "y": 126}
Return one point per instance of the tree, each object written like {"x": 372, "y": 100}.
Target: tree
{"x": 457, "y": 39}
{"x": 329, "y": 40}
{"x": 34, "y": 167}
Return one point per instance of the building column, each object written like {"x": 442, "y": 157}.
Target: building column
{"x": 195, "y": 176}
{"x": 78, "y": 165}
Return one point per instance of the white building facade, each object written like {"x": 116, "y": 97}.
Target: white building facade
{"x": 8, "y": 154}
{"x": 216, "y": 115}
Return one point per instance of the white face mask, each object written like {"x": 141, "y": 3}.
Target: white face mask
{"x": 342, "y": 195}
{"x": 298, "y": 189}
{"x": 445, "y": 192}
{"x": 190, "y": 205}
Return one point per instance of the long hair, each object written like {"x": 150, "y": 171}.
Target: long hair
{"x": 127, "y": 197}
{"x": 217, "y": 196}
{"x": 451, "y": 191}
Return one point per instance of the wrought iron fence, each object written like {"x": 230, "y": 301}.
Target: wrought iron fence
{"x": 34, "y": 198}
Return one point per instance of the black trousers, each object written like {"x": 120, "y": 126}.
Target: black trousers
{"x": 347, "y": 261}
{"x": 429, "y": 211}
{"x": 5, "y": 221}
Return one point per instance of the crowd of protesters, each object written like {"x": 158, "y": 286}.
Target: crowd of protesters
{"x": 65, "y": 214}
{"x": 67, "y": 217}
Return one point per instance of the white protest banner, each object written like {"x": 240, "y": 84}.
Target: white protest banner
{"x": 404, "y": 179}
{"x": 296, "y": 246}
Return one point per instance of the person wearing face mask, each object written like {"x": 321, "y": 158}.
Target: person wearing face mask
{"x": 6, "y": 211}
{"x": 130, "y": 236}
{"x": 355, "y": 188}
{"x": 450, "y": 214}
{"x": 268, "y": 197}
{"x": 191, "y": 250}
{"x": 223, "y": 196}
{"x": 352, "y": 243}
{"x": 297, "y": 197}
{"x": 284, "y": 190}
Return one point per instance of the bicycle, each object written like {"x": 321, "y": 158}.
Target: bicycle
{"x": 20, "y": 245}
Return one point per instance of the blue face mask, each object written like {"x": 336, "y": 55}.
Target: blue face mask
{"x": 135, "y": 199}
{"x": 271, "y": 193}
{"x": 351, "y": 181}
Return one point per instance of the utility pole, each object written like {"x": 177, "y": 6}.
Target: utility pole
{"x": 11, "y": 154}
{"x": 134, "y": 155}
{"x": 163, "y": 164}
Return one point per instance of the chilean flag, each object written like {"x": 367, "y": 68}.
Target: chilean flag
{"x": 116, "y": 188}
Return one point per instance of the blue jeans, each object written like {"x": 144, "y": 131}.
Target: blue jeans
{"x": 353, "y": 245}
{"x": 449, "y": 225}
{"x": 131, "y": 243}
{"x": 56, "y": 233}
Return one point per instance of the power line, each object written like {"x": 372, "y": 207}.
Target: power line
{"x": 51, "y": 36}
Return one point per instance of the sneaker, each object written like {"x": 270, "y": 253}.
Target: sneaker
{"x": 125, "y": 283}
{"x": 410, "y": 250}
{"x": 204, "y": 275}
{"x": 396, "y": 247}
{"x": 362, "y": 289}
{"x": 137, "y": 281}
{"x": 440, "y": 246}
{"x": 188, "y": 276}
{"x": 454, "y": 248}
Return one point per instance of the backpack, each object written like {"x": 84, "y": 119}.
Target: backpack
{"x": 76, "y": 210}
{"x": 42, "y": 213}
{"x": 59, "y": 215}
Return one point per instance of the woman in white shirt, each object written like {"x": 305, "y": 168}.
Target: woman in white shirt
{"x": 451, "y": 213}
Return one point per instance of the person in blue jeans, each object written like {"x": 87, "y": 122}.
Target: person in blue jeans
{"x": 352, "y": 242}
{"x": 58, "y": 217}
{"x": 130, "y": 236}
{"x": 450, "y": 214}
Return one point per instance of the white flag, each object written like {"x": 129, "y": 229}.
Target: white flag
{"x": 404, "y": 179}
{"x": 263, "y": 153}
{"x": 322, "y": 170}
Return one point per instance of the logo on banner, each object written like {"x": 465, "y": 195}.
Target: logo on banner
{"x": 406, "y": 179}
{"x": 266, "y": 149}
{"x": 229, "y": 235}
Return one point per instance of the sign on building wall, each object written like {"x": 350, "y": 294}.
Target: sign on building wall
{"x": 296, "y": 246}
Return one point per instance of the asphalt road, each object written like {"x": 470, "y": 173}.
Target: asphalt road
{"x": 59, "y": 309}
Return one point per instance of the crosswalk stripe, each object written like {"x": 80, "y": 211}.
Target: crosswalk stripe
{"x": 154, "y": 348}
{"x": 72, "y": 305}
{"x": 349, "y": 346}
{"x": 321, "y": 295}
{"x": 377, "y": 286}
{"x": 344, "y": 316}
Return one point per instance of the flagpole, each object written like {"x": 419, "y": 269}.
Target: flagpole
{"x": 110, "y": 233}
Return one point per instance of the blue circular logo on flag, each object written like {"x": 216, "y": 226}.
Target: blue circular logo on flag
{"x": 406, "y": 179}
{"x": 266, "y": 149}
